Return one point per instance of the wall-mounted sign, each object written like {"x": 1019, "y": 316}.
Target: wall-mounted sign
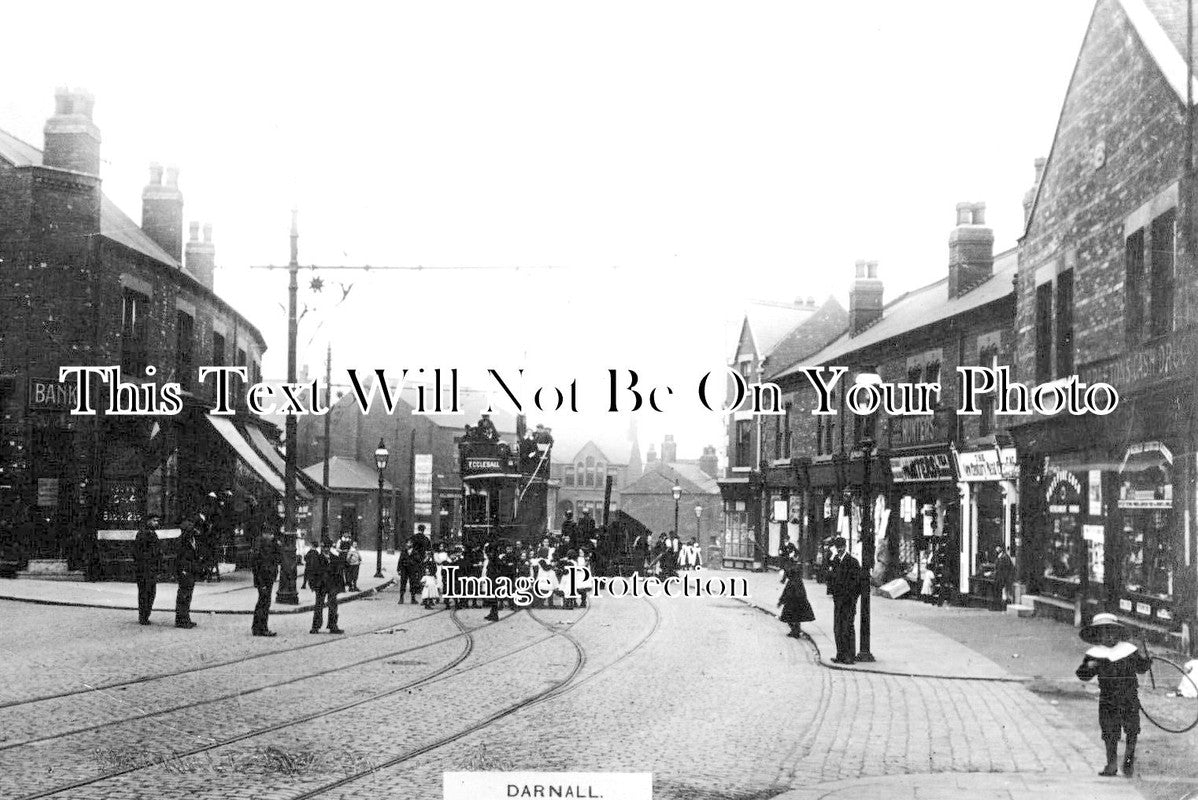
{"x": 422, "y": 485}
{"x": 925, "y": 467}
{"x": 48, "y": 395}
{"x": 1064, "y": 493}
{"x": 985, "y": 465}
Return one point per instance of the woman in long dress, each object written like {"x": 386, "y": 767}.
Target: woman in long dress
{"x": 796, "y": 609}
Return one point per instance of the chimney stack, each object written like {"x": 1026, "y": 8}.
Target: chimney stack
{"x": 201, "y": 255}
{"x": 1030, "y": 196}
{"x": 162, "y": 211}
{"x": 709, "y": 463}
{"x": 970, "y": 249}
{"x": 651, "y": 456}
{"x": 865, "y": 297}
{"x": 72, "y": 139}
{"x": 669, "y": 450}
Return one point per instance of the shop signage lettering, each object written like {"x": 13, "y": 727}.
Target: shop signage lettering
{"x": 482, "y": 465}
{"x": 1064, "y": 493}
{"x": 927, "y": 467}
{"x": 48, "y": 395}
{"x": 985, "y": 465}
{"x": 1152, "y": 364}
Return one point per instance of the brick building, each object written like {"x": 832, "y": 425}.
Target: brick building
{"x": 936, "y": 481}
{"x": 582, "y": 462}
{"x": 773, "y": 335}
{"x": 85, "y": 285}
{"x": 1107, "y": 291}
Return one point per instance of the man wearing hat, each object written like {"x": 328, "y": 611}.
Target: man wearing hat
{"x": 147, "y": 560}
{"x": 1116, "y": 662}
{"x": 264, "y": 565}
{"x": 844, "y": 584}
{"x": 325, "y": 581}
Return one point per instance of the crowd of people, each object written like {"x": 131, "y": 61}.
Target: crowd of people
{"x": 668, "y": 555}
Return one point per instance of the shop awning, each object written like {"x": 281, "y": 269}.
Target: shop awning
{"x": 247, "y": 454}
{"x": 275, "y": 459}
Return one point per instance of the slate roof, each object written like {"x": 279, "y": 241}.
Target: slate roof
{"x": 917, "y": 309}
{"x": 347, "y": 473}
{"x": 614, "y": 444}
{"x": 769, "y": 321}
{"x": 811, "y": 334}
{"x": 659, "y": 478}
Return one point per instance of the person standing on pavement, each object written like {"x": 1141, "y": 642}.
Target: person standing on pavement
{"x": 844, "y": 584}
{"x": 353, "y": 566}
{"x": 187, "y": 565}
{"x": 325, "y": 580}
{"x": 409, "y": 571}
{"x": 264, "y": 564}
{"x": 147, "y": 560}
{"x": 1116, "y": 663}
{"x": 796, "y": 609}
{"x": 1004, "y": 576}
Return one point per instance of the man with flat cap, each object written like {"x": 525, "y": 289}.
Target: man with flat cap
{"x": 844, "y": 584}
{"x": 325, "y": 580}
{"x": 147, "y": 561}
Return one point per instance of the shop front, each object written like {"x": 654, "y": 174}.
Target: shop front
{"x": 988, "y": 477}
{"x": 741, "y": 547}
{"x": 784, "y": 525}
{"x": 924, "y": 537}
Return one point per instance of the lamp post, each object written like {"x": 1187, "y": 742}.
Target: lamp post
{"x": 677, "y": 492}
{"x": 698, "y": 530}
{"x": 867, "y": 548}
{"x": 380, "y": 461}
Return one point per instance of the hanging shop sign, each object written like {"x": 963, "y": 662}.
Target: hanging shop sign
{"x": 923, "y": 467}
{"x": 1146, "y": 477}
{"x": 988, "y": 465}
{"x": 422, "y": 489}
{"x": 1064, "y": 493}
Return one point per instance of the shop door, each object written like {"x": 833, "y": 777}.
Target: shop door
{"x": 51, "y": 534}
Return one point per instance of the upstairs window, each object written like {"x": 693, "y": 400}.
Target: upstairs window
{"x": 1160, "y": 306}
{"x": 744, "y": 443}
{"x": 1149, "y": 282}
{"x": 218, "y": 350}
{"x": 1133, "y": 288}
{"x": 1044, "y": 332}
{"x": 1064, "y": 317}
{"x": 135, "y": 308}
{"x": 184, "y": 344}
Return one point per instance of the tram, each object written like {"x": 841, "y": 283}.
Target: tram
{"x": 504, "y": 486}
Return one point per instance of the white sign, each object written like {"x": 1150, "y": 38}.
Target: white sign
{"x": 422, "y": 489}
{"x": 566, "y": 785}
{"x": 986, "y": 465}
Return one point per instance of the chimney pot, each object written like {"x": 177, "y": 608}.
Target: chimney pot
{"x": 811, "y": 301}
{"x": 964, "y": 213}
{"x": 860, "y": 269}
{"x": 72, "y": 140}
{"x": 195, "y": 232}
{"x": 979, "y": 213}
{"x": 172, "y": 176}
{"x": 155, "y": 174}
{"x": 62, "y": 101}
{"x": 207, "y": 231}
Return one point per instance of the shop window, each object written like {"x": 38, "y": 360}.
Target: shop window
{"x": 1063, "y": 565}
{"x": 1044, "y": 333}
{"x": 184, "y": 342}
{"x": 135, "y": 308}
{"x": 738, "y": 536}
{"x": 744, "y": 443}
{"x": 1064, "y": 315}
{"x": 1146, "y": 502}
{"x": 1160, "y": 321}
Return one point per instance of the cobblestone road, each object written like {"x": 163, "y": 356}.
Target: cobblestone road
{"x": 706, "y": 694}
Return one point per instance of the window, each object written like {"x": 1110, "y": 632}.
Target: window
{"x": 986, "y": 419}
{"x": 218, "y": 350}
{"x": 240, "y": 358}
{"x": 590, "y": 479}
{"x": 931, "y": 372}
{"x": 1043, "y": 333}
{"x": 1065, "y": 323}
{"x": 1160, "y": 321}
{"x": 135, "y": 307}
{"x": 570, "y": 476}
{"x": 744, "y": 441}
{"x": 184, "y": 340}
{"x": 615, "y": 480}
{"x": 255, "y": 372}
{"x": 1133, "y": 287}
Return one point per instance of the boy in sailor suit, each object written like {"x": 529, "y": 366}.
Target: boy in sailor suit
{"x": 1116, "y": 663}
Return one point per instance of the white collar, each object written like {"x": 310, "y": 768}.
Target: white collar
{"x": 1119, "y": 651}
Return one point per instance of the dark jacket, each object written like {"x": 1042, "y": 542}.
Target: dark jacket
{"x": 187, "y": 560}
{"x": 323, "y": 573}
{"x": 411, "y": 563}
{"x": 147, "y": 553}
{"x": 264, "y": 560}
{"x": 795, "y": 606}
{"x": 1117, "y": 683}
{"x": 844, "y": 578}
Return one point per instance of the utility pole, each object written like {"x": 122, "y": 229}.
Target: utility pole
{"x": 328, "y": 404}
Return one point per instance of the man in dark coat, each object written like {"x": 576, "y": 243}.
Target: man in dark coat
{"x": 421, "y": 543}
{"x": 187, "y": 565}
{"x": 844, "y": 584}
{"x": 325, "y": 580}
{"x": 569, "y": 528}
{"x": 410, "y": 571}
{"x": 586, "y": 532}
{"x": 264, "y": 564}
{"x": 147, "y": 560}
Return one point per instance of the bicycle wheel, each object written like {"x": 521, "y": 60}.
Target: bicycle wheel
{"x": 1161, "y": 696}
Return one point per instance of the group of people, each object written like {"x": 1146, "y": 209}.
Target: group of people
{"x": 667, "y": 555}
{"x": 845, "y": 581}
{"x": 425, "y": 568}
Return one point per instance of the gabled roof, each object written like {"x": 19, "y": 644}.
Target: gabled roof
{"x": 918, "y": 309}
{"x": 768, "y": 321}
{"x": 347, "y": 473}
{"x": 810, "y": 335}
{"x": 114, "y": 223}
{"x": 615, "y": 446}
{"x": 659, "y": 478}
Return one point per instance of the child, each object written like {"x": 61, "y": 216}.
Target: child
{"x": 430, "y": 587}
{"x": 1116, "y": 664}
{"x": 353, "y": 565}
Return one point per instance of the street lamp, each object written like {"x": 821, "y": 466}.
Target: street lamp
{"x": 867, "y": 547}
{"x": 698, "y": 530}
{"x": 380, "y": 461}
{"x": 677, "y": 492}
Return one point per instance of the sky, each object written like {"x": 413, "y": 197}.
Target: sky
{"x": 671, "y": 161}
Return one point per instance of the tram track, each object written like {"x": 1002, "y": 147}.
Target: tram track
{"x": 442, "y": 673}
{"x": 210, "y": 666}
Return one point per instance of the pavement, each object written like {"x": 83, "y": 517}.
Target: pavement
{"x": 234, "y": 593}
